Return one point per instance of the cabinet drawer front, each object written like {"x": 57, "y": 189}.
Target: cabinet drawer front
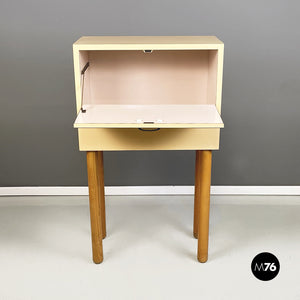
{"x": 107, "y": 139}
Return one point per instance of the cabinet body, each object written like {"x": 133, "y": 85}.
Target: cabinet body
{"x": 125, "y": 84}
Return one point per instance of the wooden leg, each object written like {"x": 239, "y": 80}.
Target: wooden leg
{"x": 197, "y": 193}
{"x": 204, "y": 201}
{"x": 100, "y": 174}
{"x": 94, "y": 193}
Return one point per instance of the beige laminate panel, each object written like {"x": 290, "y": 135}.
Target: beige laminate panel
{"x": 146, "y": 42}
{"x": 107, "y": 139}
{"x": 219, "y": 78}
{"x": 212, "y": 74}
{"x": 149, "y": 116}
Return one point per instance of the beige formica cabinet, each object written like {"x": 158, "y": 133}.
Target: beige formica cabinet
{"x": 148, "y": 93}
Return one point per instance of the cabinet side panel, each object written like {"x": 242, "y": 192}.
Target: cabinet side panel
{"x": 219, "y": 78}
{"x": 97, "y": 139}
{"x": 84, "y": 58}
{"x": 212, "y": 77}
{"x": 77, "y": 78}
{"x": 80, "y": 58}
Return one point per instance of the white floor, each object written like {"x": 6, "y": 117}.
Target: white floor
{"x": 45, "y": 249}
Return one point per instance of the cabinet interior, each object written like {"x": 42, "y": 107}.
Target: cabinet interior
{"x": 137, "y": 87}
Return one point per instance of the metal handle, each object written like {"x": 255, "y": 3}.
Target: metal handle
{"x": 151, "y": 129}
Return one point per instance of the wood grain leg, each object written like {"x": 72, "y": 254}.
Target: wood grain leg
{"x": 94, "y": 198}
{"x": 197, "y": 193}
{"x": 204, "y": 202}
{"x": 100, "y": 173}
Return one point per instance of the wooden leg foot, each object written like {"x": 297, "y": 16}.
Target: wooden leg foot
{"x": 204, "y": 203}
{"x": 202, "y": 258}
{"x": 96, "y": 226}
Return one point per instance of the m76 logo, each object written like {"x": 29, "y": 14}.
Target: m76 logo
{"x": 265, "y": 267}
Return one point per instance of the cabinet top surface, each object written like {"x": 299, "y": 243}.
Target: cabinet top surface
{"x": 152, "y": 42}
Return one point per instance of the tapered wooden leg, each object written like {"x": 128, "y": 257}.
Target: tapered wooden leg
{"x": 197, "y": 193}
{"x": 94, "y": 197}
{"x": 100, "y": 174}
{"x": 204, "y": 201}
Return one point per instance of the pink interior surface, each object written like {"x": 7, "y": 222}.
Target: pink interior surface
{"x": 160, "y": 77}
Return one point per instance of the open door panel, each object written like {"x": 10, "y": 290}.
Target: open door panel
{"x": 149, "y": 116}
